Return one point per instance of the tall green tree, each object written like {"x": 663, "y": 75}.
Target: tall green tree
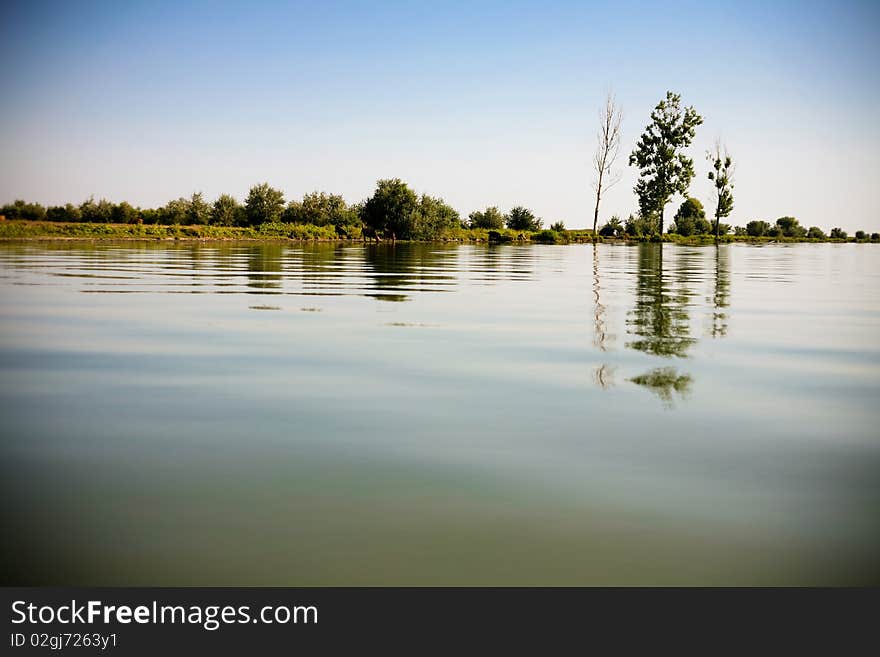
{"x": 264, "y": 204}
{"x": 664, "y": 169}
{"x": 721, "y": 176}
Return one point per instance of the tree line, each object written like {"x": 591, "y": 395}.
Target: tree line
{"x": 394, "y": 209}
{"x": 665, "y": 169}
{"x": 690, "y": 220}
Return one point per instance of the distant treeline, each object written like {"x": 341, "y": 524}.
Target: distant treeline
{"x": 394, "y": 209}
{"x": 690, "y": 220}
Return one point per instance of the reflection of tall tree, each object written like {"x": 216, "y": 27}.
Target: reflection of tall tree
{"x": 600, "y": 334}
{"x": 264, "y": 267}
{"x": 721, "y": 295}
{"x": 660, "y": 320}
{"x": 663, "y": 382}
{"x": 603, "y": 373}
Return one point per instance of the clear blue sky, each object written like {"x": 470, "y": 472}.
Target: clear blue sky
{"x": 478, "y": 102}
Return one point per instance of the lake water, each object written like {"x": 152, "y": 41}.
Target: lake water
{"x": 430, "y": 414}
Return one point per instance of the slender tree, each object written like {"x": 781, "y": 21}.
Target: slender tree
{"x": 722, "y": 177}
{"x": 607, "y": 151}
{"x": 664, "y": 168}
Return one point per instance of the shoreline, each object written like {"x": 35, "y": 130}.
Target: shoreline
{"x": 27, "y": 231}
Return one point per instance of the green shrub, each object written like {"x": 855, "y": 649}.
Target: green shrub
{"x": 791, "y": 227}
{"x": 490, "y": 218}
{"x": 549, "y": 237}
{"x": 520, "y": 218}
{"x": 612, "y": 228}
{"x": 757, "y": 228}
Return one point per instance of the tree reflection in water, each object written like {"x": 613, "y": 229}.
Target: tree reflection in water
{"x": 603, "y": 375}
{"x": 660, "y": 322}
{"x": 721, "y": 296}
{"x": 663, "y": 382}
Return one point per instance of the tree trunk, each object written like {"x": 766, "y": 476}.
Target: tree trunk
{"x": 596, "y": 216}
{"x": 662, "y": 208}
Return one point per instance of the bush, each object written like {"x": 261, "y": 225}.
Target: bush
{"x": 226, "y": 211}
{"x": 520, "y": 218}
{"x": 496, "y": 237}
{"x": 431, "y": 217}
{"x": 790, "y": 227}
{"x": 816, "y": 233}
{"x": 691, "y": 219}
{"x": 838, "y": 234}
{"x": 559, "y": 227}
{"x": 757, "y": 228}
{"x": 490, "y": 218}
{"x": 321, "y": 209}
{"x": 68, "y": 213}
{"x": 613, "y": 228}
{"x": 264, "y": 204}
{"x": 124, "y": 214}
{"x": 96, "y": 213}
{"x": 641, "y": 226}
{"x": 875, "y": 237}
{"x": 22, "y": 210}
{"x": 390, "y": 208}
{"x": 549, "y": 237}
{"x": 861, "y": 235}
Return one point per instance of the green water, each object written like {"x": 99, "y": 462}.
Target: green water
{"x": 428, "y": 414}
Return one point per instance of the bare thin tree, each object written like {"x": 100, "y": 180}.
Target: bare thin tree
{"x": 607, "y": 151}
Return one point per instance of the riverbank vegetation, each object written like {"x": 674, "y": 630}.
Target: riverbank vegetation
{"x": 49, "y": 230}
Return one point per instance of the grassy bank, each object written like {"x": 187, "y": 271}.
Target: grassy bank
{"x": 266, "y": 232}
{"x": 43, "y": 230}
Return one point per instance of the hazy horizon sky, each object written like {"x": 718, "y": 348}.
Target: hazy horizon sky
{"x": 481, "y": 103}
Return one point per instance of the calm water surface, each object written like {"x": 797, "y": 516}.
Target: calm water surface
{"x": 423, "y": 414}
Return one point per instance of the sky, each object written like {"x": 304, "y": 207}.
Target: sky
{"x": 480, "y": 103}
